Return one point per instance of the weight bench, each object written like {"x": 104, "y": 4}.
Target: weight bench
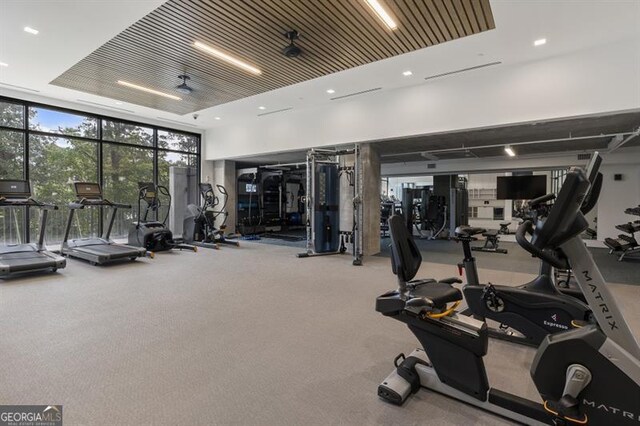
{"x": 492, "y": 239}
{"x": 504, "y": 228}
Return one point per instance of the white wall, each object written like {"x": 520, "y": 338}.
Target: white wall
{"x": 597, "y": 80}
{"x": 482, "y": 181}
{"x": 616, "y": 196}
{"x": 485, "y": 201}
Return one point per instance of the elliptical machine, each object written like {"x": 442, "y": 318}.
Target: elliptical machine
{"x": 152, "y": 235}
{"x": 199, "y": 224}
{"x": 584, "y": 375}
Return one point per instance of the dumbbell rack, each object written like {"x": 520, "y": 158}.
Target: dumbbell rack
{"x": 626, "y": 244}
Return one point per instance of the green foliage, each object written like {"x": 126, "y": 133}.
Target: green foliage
{"x": 11, "y": 115}
{"x": 11, "y": 143}
{"x": 54, "y": 164}
{"x": 11, "y": 155}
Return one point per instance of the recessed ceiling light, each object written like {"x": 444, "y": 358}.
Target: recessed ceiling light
{"x": 31, "y": 30}
{"x": 331, "y": 91}
{"x": 226, "y": 57}
{"x": 407, "y": 73}
{"x": 540, "y": 42}
{"x": 118, "y": 103}
{"x": 2, "y": 64}
{"x": 510, "y": 152}
{"x": 382, "y": 13}
{"x": 146, "y": 89}
{"x": 261, "y": 107}
{"x": 217, "y": 118}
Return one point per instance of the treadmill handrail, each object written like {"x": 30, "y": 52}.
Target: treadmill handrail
{"x": 102, "y": 202}
{"x": 29, "y": 202}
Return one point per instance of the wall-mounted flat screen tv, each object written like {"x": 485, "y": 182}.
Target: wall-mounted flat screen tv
{"x": 521, "y": 187}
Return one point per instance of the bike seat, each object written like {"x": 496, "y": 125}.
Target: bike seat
{"x": 468, "y": 231}
{"x": 437, "y": 293}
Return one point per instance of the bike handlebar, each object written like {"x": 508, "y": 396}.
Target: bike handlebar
{"x": 541, "y": 200}
{"x": 526, "y": 227}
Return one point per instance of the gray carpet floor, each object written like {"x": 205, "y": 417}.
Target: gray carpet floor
{"x": 450, "y": 253}
{"x": 237, "y": 336}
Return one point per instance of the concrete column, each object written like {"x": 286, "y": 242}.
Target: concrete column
{"x": 183, "y": 187}
{"x": 224, "y": 173}
{"x": 206, "y": 171}
{"x": 371, "y": 179}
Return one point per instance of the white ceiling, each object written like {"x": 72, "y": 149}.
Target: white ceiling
{"x": 70, "y": 30}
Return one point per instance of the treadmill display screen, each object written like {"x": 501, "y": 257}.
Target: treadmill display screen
{"x": 87, "y": 190}
{"x": 15, "y": 189}
{"x": 148, "y": 189}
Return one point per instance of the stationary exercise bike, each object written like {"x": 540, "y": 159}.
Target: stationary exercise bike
{"x": 588, "y": 375}
{"x": 153, "y": 235}
{"x": 533, "y": 310}
{"x": 536, "y": 308}
{"x": 200, "y": 221}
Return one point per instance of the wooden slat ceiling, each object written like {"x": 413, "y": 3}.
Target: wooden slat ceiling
{"x": 335, "y": 35}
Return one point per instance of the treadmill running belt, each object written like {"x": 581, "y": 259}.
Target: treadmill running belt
{"x": 113, "y": 251}
{"x": 18, "y": 262}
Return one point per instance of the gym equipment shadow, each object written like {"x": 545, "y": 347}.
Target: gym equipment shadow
{"x": 450, "y": 253}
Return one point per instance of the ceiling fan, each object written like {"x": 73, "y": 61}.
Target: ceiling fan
{"x": 184, "y": 87}
{"x": 292, "y": 51}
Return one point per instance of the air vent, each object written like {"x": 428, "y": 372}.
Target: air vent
{"x": 431, "y": 166}
{"x": 356, "y": 93}
{"x": 19, "y": 87}
{"x": 177, "y": 122}
{"x": 275, "y": 112}
{"x": 490, "y": 64}
{"x": 584, "y": 156}
{"x": 105, "y": 106}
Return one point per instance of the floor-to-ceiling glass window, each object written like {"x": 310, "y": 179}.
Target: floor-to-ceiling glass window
{"x": 127, "y": 160}
{"x": 54, "y": 147}
{"x": 124, "y": 167}
{"x": 11, "y": 154}
{"x": 57, "y": 158}
{"x": 55, "y": 163}
{"x": 12, "y": 147}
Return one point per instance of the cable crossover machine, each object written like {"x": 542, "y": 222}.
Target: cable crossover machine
{"x": 325, "y": 170}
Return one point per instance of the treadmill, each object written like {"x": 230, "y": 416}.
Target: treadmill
{"x": 102, "y": 250}
{"x": 32, "y": 257}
